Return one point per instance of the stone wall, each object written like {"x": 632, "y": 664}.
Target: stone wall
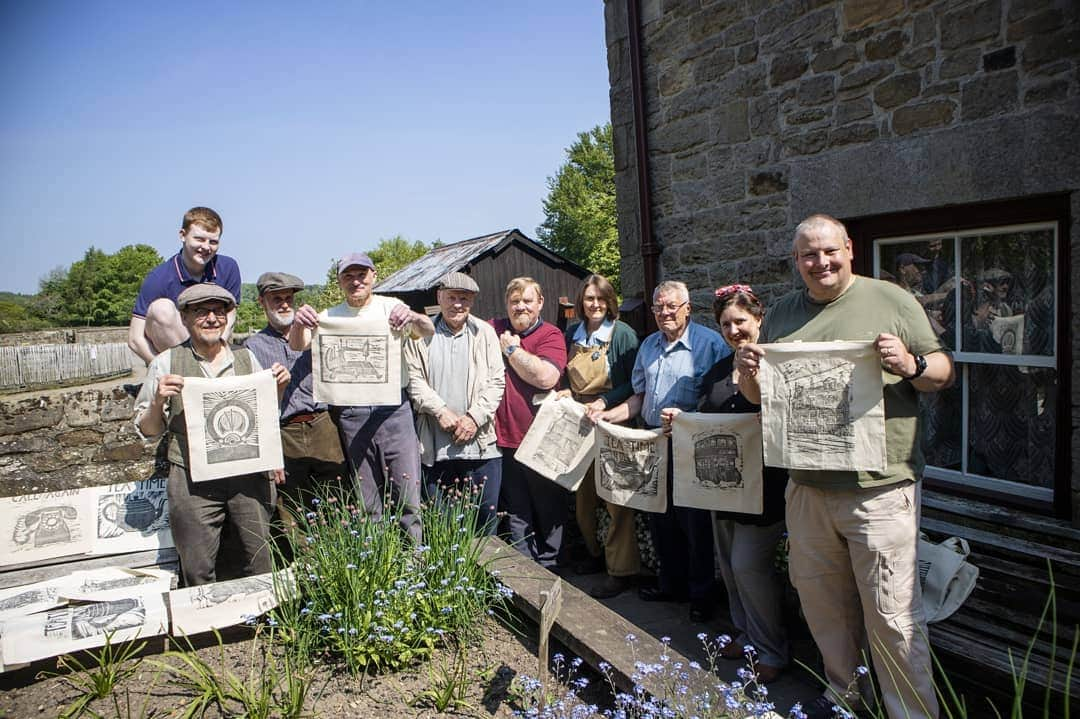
{"x": 759, "y": 113}
{"x": 69, "y": 440}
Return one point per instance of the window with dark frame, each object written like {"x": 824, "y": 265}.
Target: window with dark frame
{"x": 993, "y": 280}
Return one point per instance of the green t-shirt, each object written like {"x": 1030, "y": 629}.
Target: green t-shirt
{"x": 868, "y": 308}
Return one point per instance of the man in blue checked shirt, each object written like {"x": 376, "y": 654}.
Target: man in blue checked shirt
{"x": 668, "y": 371}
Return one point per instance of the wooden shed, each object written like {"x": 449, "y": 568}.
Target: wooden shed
{"x": 492, "y": 260}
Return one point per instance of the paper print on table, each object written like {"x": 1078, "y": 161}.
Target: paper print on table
{"x": 31, "y": 598}
{"x": 82, "y": 626}
{"x": 822, "y": 406}
{"x": 233, "y": 425}
{"x": 224, "y": 604}
{"x": 717, "y": 462}
{"x": 132, "y": 516}
{"x": 111, "y": 583}
{"x": 34, "y": 527}
{"x": 356, "y": 361}
{"x": 631, "y": 467}
{"x": 559, "y": 443}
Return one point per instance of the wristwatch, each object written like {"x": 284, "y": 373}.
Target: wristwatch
{"x": 510, "y": 349}
{"x": 920, "y": 367}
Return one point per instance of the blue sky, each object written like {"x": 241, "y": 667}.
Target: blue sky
{"x": 313, "y": 128}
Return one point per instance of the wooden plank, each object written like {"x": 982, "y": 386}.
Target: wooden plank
{"x": 1007, "y": 520}
{"x": 1012, "y": 546}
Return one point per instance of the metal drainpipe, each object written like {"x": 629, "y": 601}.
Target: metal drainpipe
{"x": 650, "y": 251}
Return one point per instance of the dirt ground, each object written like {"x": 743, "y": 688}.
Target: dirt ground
{"x": 491, "y": 667}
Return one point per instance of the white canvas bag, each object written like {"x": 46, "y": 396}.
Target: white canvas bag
{"x": 946, "y": 576}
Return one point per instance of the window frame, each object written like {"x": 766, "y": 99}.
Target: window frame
{"x": 958, "y": 220}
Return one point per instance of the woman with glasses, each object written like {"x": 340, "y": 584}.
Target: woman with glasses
{"x": 746, "y": 544}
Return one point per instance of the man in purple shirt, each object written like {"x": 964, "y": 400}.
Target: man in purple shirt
{"x": 155, "y": 321}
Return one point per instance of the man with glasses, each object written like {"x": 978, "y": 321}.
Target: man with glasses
{"x": 667, "y": 373}
{"x": 379, "y": 441}
{"x": 155, "y": 324}
{"x": 309, "y": 437}
{"x": 197, "y": 511}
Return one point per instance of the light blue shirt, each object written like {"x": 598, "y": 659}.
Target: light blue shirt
{"x": 670, "y": 375}
{"x": 602, "y": 336}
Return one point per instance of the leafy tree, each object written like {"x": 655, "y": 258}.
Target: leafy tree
{"x": 579, "y": 210}
{"x": 98, "y": 289}
{"x": 389, "y": 256}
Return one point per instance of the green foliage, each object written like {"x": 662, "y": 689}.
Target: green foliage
{"x": 99, "y": 289}
{"x": 448, "y": 684}
{"x": 111, "y": 665}
{"x": 371, "y": 598}
{"x": 389, "y": 256}
{"x": 579, "y": 210}
{"x": 250, "y": 316}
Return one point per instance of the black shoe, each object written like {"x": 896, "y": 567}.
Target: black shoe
{"x": 656, "y": 594}
{"x": 701, "y": 610}
{"x": 589, "y": 565}
{"x": 611, "y": 587}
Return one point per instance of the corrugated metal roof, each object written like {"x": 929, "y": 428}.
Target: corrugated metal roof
{"x": 425, "y": 272}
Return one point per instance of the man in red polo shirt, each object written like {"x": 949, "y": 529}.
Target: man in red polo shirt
{"x": 535, "y": 356}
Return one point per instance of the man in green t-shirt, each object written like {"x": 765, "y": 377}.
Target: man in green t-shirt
{"x": 854, "y": 534}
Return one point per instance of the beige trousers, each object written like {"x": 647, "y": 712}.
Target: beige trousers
{"x": 620, "y": 547}
{"x": 853, "y": 562}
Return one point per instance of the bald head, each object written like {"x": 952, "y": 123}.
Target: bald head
{"x": 823, "y": 255}
{"x": 817, "y": 224}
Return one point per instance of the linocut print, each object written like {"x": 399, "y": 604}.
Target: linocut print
{"x": 34, "y": 527}
{"x": 132, "y": 516}
{"x": 717, "y": 462}
{"x": 559, "y": 443}
{"x": 224, "y": 604}
{"x": 822, "y": 406}
{"x": 356, "y": 361}
{"x": 232, "y": 425}
{"x": 631, "y": 467}
{"x": 83, "y": 626}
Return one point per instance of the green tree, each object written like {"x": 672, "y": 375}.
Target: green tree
{"x": 393, "y": 253}
{"x": 98, "y": 289}
{"x": 579, "y": 210}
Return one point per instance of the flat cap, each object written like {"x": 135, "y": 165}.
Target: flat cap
{"x": 204, "y": 292}
{"x": 458, "y": 281}
{"x": 910, "y": 258}
{"x": 354, "y": 258}
{"x": 273, "y": 281}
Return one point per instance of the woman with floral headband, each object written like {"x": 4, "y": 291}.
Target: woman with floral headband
{"x": 746, "y": 543}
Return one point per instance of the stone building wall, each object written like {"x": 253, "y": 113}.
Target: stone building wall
{"x": 68, "y": 440}
{"x": 759, "y": 113}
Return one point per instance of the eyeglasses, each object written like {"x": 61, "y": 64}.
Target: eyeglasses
{"x": 202, "y": 313}
{"x": 661, "y": 309}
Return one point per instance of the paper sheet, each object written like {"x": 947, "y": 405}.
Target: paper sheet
{"x": 631, "y": 467}
{"x": 34, "y": 527}
{"x": 559, "y": 443}
{"x": 233, "y": 425}
{"x": 111, "y": 583}
{"x": 224, "y": 604}
{"x": 82, "y": 626}
{"x": 822, "y": 406}
{"x": 718, "y": 462}
{"x": 356, "y": 361}
{"x": 132, "y": 516}
{"x": 1009, "y": 333}
{"x": 31, "y": 598}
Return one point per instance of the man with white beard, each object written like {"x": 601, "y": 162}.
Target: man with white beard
{"x": 309, "y": 437}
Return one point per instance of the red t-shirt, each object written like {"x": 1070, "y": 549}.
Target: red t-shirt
{"x": 516, "y": 411}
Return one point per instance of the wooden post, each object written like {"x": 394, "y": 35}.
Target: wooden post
{"x": 549, "y": 612}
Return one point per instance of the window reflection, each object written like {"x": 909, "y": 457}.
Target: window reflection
{"x": 925, "y": 269}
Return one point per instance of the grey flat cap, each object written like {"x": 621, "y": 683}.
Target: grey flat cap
{"x": 458, "y": 281}
{"x": 205, "y": 292}
{"x": 273, "y": 281}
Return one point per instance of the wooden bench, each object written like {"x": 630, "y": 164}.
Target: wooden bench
{"x": 983, "y": 645}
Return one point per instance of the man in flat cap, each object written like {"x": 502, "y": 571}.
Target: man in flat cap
{"x": 198, "y": 511}
{"x": 456, "y": 382}
{"x": 155, "y": 324}
{"x": 379, "y": 441}
{"x": 309, "y": 437}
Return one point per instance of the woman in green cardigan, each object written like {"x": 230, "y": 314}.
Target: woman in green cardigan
{"x": 600, "y": 359}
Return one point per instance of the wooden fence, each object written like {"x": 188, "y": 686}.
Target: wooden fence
{"x": 57, "y": 364}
